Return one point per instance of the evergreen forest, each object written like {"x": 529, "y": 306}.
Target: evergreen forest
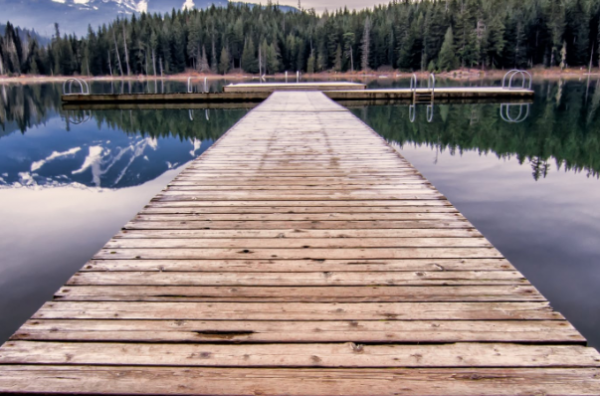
{"x": 433, "y": 35}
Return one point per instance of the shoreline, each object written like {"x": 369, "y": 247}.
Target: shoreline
{"x": 459, "y": 75}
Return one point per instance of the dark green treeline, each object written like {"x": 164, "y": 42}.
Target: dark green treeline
{"x": 406, "y": 35}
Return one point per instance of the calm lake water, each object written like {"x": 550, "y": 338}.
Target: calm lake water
{"x": 70, "y": 179}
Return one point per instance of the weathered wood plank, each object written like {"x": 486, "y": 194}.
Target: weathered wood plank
{"x": 205, "y": 183}
{"x": 529, "y": 331}
{"x": 293, "y": 243}
{"x": 331, "y": 176}
{"x": 298, "y": 311}
{"x": 311, "y": 225}
{"x": 300, "y": 294}
{"x": 308, "y": 195}
{"x": 300, "y": 278}
{"x": 301, "y": 189}
{"x": 301, "y": 217}
{"x": 290, "y": 234}
{"x": 301, "y": 382}
{"x": 151, "y": 209}
{"x": 295, "y": 203}
{"x": 300, "y": 355}
{"x": 295, "y": 254}
{"x": 369, "y": 265}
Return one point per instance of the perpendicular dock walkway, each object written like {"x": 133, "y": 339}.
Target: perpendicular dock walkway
{"x": 300, "y": 255}
{"x": 340, "y": 91}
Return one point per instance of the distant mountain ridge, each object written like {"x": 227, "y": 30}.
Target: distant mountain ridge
{"x": 24, "y": 33}
{"x": 74, "y": 16}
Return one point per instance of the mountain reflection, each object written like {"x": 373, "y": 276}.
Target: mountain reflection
{"x": 44, "y": 146}
{"x": 41, "y": 144}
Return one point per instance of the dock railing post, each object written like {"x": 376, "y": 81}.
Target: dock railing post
{"x": 431, "y": 86}
{"x": 286, "y": 80}
{"x": 190, "y": 88}
{"x": 412, "y": 109}
{"x": 526, "y": 79}
{"x": 297, "y": 76}
{"x": 507, "y": 117}
{"x": 413, "y": 85}
{"x": 84, "y": 88}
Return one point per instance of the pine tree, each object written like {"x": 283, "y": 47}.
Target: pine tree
{"x": 447, "y": 58}
{"x": 249, "y": 61}
{"x": 349, "y": 49}
{"x": 366, "y": 45}
{"x": 272, "y": 59}
{"x": 337, "y": 66}
{"x": 224, "y": 61}
{"x": 310, "y": 64}
{"x": 204, "y": 67}
{"x": 213, "y": 57}
{"x": 493, "y": 43}
{"x": 194, "y": 43}
{"x": 556, "y": 23}
{"x": 578, "y": 33}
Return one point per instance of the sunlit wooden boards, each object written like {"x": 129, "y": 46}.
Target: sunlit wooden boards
{"x": 293, "y": 86}
{"x": 151, "y": 100}
{"x": 300, "y": 255}
{"x": 440, "y": 94}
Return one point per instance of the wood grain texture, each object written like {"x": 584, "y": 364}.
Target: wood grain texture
{"x": 439, "y": 278}
{"x": 388, "y": 331}
{"x": 347, "y": 354}
{"x": 307, "y": 265}
{"x": 301, "y": 382}
{"x": 300, "y": 239}
{"x": 301, "y": 253}
{"x": 297, "y": 243}
{"x": 300, "y": 294}
{"x": 297, "y": 311}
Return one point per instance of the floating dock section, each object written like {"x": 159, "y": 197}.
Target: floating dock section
{"x": 299, "y": 86}
{"x": 300, "y": 255}
{"x": 439, "y": 94}
{"x": 339, "y": 91}
{"x": 168, "y": 98}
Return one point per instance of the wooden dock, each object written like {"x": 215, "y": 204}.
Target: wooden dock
{"x": 344, "y": 92}
{"x": 444, "y": 95}
{"x": 167, "y": 98}
{"x": 299, "y": 255}
{"x": 294, "y": 86}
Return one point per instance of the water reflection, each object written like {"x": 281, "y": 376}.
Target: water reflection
{"x": 104, "y": 148}
{"x": 556, "y": 132}
{"x": 69, "y": 179}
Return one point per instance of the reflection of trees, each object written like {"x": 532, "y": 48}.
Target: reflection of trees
{"x": 25, "y": 106}
{"x": 561, "y": 128}
{"x": 540, "y": 167}
{"x": 161, "y": 123}
{"x": 566, "y": 131}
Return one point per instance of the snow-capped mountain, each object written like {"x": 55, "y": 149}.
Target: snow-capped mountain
{"x": 74, "y": 16}
{"x": 103, "y": 159}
